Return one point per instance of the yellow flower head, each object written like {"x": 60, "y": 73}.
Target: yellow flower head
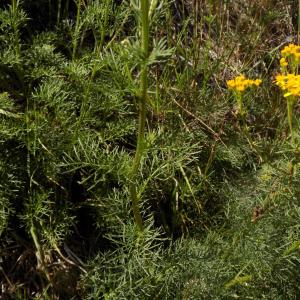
{"x": 290, "y": 55}
{"x": 289, "y": 83}
{"x": 290, "y": 50}
{"x": 240, "y": 83}
{"x": 283, "y": 62}
{"x": 257, "y": 82}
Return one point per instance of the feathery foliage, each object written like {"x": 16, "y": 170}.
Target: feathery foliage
{"x": 218, "y": 190}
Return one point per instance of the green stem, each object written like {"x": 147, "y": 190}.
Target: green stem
{"x": 75, "y": 38}
{"x": 142, "y": 113}
{"x": 239, "y": 100}
{"x": 14, "y": 11}
{"x": 290, "y": 104}
{"x": 249, "y": 139}
{"x": 242, "y": 114}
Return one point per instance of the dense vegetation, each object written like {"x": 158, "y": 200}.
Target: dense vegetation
{"x": 216, "y": 185}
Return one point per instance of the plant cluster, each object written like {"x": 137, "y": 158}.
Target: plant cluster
{"x": 127, "y": 171}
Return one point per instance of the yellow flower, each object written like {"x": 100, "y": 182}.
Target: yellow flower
{"x": 283, "y": 62}
{"x": 289, "y": 50}
{"x": 240, "y": 87}
{"x": 241, "y": 83}
{"x": 289, "y": 83}
{"x": 292, "y": 52}
{"x": 257, "y": 82}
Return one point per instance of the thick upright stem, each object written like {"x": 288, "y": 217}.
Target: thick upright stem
{"x": 142, "y": 112}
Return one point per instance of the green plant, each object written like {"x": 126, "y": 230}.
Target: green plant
{"x": 90, "y": 120}
{"x": 239, "y": 85}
